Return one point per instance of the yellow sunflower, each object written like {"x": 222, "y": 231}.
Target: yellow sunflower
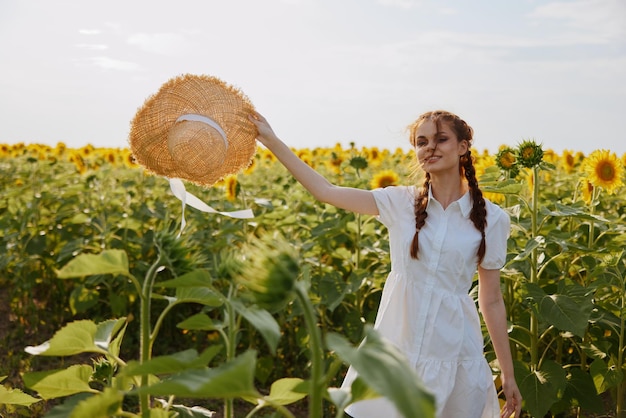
{"x": 230, "y": 184}
{"x": 400, "y": 156}
{"x": 336, "y": 159}
{"x": 250, "y": 168}
{"x": 550, "y": 156}
{"x": 587, "y": 189}
{"x": 128, "y": 158}
{"x": 304, "y": 153}
{"x": 604, "y": 170}
{"x": 373, "y": 155}
{"x": 110, "y": 156}
{"x": 267, "y": 155}
{"x": 385, "y": 178}
{"x": 308, "y": 160}
{"x": 18, "y": 149}
{"x": 60, "y": 148}
{"x": 568, "y": 161}
{"x": 81, "y": 167}
{"x": 87, "y": 150}
{"x": 482, "y": 163}
{"x": 494, "y": 197}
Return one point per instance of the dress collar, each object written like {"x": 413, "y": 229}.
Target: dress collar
{"x": 464, "y": 202}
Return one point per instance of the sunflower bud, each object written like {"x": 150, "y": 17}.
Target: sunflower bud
{"x": 506, "y": 159}
{"x": 270, "y": 273}
{"x": 103, "y": 370}
{"x": 529, "y": 154}
{"x": 358, "y": 162}
{"x": 176, "y": 253}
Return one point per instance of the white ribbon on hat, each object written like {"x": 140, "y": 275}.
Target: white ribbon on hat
{"x": 204, "y": 119}
{"x": 178, "y": 187}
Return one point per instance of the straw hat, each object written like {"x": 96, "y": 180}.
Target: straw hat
{"x": 194, "y": 128}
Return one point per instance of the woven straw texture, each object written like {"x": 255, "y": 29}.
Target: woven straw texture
{"x": 192, "y": 150}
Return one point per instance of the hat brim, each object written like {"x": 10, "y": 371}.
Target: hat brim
{"x": 193, "y": 94}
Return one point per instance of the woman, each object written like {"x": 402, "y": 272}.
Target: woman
{"x": 439, "y": 235}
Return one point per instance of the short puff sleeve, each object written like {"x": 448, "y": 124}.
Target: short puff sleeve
{"x": 393, "y": 202}
{"x": 496, "y": 236}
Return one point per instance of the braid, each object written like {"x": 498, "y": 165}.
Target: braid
{"x": 478, "y": 215}
{"x": 421, "y": 201}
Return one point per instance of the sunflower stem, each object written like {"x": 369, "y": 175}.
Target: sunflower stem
{"x": 534, "y": 322}
{"x": 620, "y": 410}
{"x": 317, "y": 354}
{"x": 145, "y": 331}
{"x": 592, "y": 208}
{"x": 231, "y": 345}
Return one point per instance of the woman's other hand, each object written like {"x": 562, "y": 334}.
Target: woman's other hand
{"x": 513, "y": 397}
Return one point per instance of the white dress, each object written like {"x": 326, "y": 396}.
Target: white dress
{"x": 425, "y": 309}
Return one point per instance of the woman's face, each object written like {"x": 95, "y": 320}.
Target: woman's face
{"x": 438, "y": 152}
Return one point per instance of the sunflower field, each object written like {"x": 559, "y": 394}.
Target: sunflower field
{"x": 111, "y": 309}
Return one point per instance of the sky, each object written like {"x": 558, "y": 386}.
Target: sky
{"x": 322, "y": 71}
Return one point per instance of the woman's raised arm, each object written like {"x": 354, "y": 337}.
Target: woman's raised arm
{"x": 348, "y": 198}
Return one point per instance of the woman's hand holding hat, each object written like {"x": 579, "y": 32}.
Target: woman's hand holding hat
{"x": 266, "y": 133}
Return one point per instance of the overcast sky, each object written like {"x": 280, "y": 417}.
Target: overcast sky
{"x": 322, "y": 71}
